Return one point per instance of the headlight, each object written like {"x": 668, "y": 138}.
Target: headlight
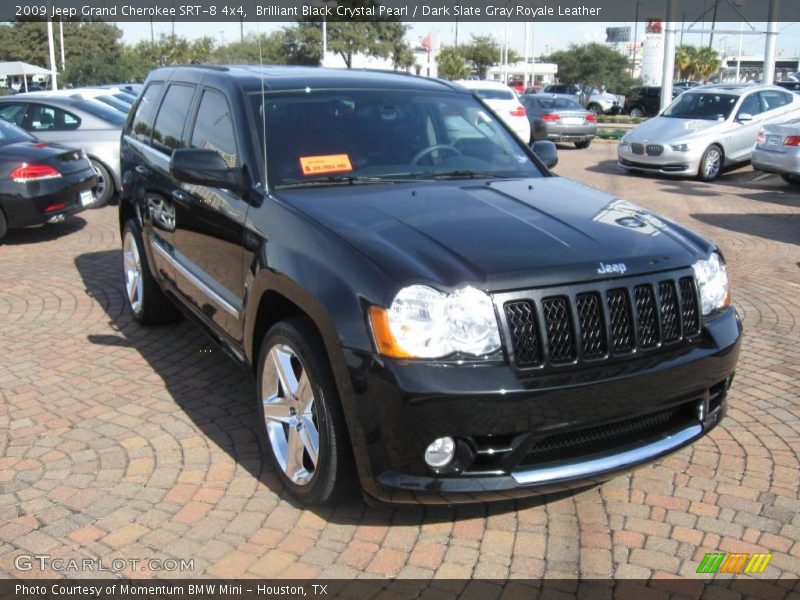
{"x": 623, "y": 143}
{"x": 680, "y": 147}
{"x": 712, "y": 282}
{"x": 424, "y": 323}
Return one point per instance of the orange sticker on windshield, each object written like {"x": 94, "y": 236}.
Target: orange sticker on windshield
{"x": 331, "y": 163}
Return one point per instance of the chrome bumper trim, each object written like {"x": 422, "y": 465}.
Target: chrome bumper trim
{"x": 609, "y": 463}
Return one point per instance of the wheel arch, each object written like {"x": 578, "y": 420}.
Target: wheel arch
{"x": 107, "y": 167}
{"x": 272, "y": 298}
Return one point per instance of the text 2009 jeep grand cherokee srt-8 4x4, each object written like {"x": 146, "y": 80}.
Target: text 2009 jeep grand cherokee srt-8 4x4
{"x": 424, "y": 304}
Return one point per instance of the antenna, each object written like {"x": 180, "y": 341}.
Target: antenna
{"x": 263, "y": 103}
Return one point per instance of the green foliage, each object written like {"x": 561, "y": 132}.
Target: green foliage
{"x": 481, "y": 53}
{"x": 452, "y": 64}
{"x": 692, "y": 62}
{"x": 595, "y": 65}
{"x": 95, "y": 54}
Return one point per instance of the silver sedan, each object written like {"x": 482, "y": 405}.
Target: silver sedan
{"x": 706, "y": 129}
{"x": 778, "y": 151}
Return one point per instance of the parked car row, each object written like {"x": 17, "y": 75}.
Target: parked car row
{"x": 708, "y": 128}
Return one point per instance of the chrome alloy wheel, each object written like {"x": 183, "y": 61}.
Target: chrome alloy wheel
{"x": 712, "y": 163}
{"x": 289, "y": 414}
{"x": 100, "y": 187}
{"x": 133, "y": 272}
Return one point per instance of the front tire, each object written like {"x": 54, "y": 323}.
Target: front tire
{"x": 792, "y": 179}
{"x": 301, "y": 417}
{"x": 583, "y": 145}
{"x": 711, "y": 163}
{"x": 146, "y": 301}
{"x": 3, "y": 225}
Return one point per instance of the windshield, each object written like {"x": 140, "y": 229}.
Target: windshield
{"x": 385, "y": 135}
{"x": 709, "y": 107}
{"x": 10, "y": 134}
{"x": 493, "y": 94}
{"x": 559, "y": 103}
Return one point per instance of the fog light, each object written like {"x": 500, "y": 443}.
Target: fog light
{"x": 440, "y": 452}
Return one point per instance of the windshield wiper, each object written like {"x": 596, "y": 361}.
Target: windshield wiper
{"x": 337, "y": 180}
{"x": 463, "y": 174}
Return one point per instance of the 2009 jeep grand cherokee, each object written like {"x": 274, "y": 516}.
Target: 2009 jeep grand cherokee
{"x": 424, "y": 304}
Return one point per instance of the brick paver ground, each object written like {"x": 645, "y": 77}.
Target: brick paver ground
{"x": 118, "y": 441}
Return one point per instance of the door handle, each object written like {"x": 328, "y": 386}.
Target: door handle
{"x": 142, "y": 170}
{"x": 181, "y": 197}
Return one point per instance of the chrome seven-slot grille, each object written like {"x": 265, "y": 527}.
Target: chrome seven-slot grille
{"x": 593, "y": 325}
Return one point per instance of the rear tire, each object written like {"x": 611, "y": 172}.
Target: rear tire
{"x": 105, "y": 184}
{"x": 711, "y": 163}
{"x": 595, "y": 108}
{"x": 3, "y": 225}
{"x": 792, "y": 179}
{"x": 301, "y": 417}
{"x": 583, "y": 145}
{"x": 637, "y": 112}
{"x": 146, "y": 301}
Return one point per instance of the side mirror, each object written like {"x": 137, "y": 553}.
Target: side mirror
{"x": 201, "y": 166}
{"x": 744, "y": 117}
{"x": 546, "y": 151}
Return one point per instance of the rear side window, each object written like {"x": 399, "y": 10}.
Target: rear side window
{"x": 168, "y": 128}
{"x": 213, "y": 128}
{"x": 774, "y": 99}
{"x": 144, "y": 112}
{"x": 43, "y": 117}
{"x": 106, "y": 113}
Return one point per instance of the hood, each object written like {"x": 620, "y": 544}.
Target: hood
{"x": 499, "y": 235}
{"x": 667, "y": 129}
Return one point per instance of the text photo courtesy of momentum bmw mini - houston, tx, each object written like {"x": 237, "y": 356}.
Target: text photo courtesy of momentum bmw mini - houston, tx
{"x": 400, "y": 299}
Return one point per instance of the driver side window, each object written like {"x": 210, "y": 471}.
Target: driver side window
{"x": 750, "y": 106}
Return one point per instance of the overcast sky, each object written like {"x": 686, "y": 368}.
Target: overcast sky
{"x": 547, "y": 36}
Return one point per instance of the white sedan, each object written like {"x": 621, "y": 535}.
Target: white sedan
{"x": 706, "y": 129}
{"x": 504, "y": 102}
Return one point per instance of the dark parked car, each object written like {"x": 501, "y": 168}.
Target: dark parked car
{"x": 559, "y": 119}
{"x": 793, "y": 86}
{"x": 40, "y": 182}
{"x": 646, "y": 101}
{"x": 423, "y": 304}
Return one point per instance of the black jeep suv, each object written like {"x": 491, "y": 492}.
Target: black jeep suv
{"x": 423, "y": 303}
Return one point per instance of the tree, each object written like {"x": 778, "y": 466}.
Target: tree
{"x": 692, "y": 62}
{"x": 708, "y": 63}
{"x": 481, "y": 53}
{"x": 94, "y": 52}
{"x": 595, "y": 65}
{"x": 684, "y": 61}
{"x": 451, "y": 63}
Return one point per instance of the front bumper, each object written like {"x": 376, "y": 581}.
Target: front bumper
{"x": 669, "y": 162}
{"x": 404, "y": 405}
{"x": 29, "y": 203}
{"x": 787, "y": 163}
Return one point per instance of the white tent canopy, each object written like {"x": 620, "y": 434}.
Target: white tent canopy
{"x": 16, "y": 73}
{"x": 16, "y": 67}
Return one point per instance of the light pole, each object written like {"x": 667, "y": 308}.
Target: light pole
{"x": 61, "y": 39}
